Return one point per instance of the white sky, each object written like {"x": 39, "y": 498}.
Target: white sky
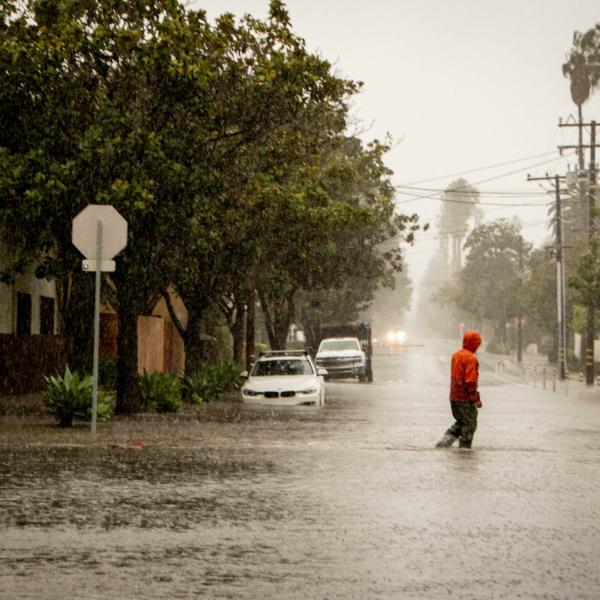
{"x": 459, "y": 84}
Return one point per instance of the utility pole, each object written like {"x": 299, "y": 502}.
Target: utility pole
{"x": 560, "y": 275}
{"x": 590, "y": 325}
{"x": 520, "y": 315}
{"x": 590, "y": 330}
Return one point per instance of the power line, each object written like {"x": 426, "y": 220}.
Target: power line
{"x": 516, "y": 193}
{"x": 470, "y": 185}
{"x": 458, "y": 201}
{"x": 503, "y": 164}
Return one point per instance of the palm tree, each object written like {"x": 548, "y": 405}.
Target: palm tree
{"x": 583, "y": 69}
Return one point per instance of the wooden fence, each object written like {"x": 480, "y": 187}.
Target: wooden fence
{"x": 26, "y": 359}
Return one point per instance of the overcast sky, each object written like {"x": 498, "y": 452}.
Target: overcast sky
{"x": 459, "y": 84}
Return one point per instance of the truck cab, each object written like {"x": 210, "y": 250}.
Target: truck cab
{"x": 345, "y": 351}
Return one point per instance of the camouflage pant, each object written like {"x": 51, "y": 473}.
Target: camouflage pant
{"x": 465, "y": 425}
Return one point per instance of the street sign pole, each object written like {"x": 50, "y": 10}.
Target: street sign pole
{"x": 99, "y": 232}
{"x": 96, "y": 325}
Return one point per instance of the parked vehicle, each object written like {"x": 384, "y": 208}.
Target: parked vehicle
{"x": 345, "y": 351}
{"x": 284, "y": 377}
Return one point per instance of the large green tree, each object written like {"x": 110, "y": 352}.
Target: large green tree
{"x": 222, "y": 144}
{"x": 490, "y": 286}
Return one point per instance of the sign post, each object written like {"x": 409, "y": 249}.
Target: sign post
{"x": 99, "y": 233}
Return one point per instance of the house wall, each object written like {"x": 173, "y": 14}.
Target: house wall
{"x": 25, "y": 283}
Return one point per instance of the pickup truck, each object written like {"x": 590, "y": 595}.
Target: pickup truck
{"x": 345, "y": 350}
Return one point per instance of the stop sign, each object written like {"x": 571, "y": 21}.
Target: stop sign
{"x": 84, "y": 234}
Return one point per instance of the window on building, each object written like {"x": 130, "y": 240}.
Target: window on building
{"x": 23, "y": 313}
{"x": 46, "y": 315}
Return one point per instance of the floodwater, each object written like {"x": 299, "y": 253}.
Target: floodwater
{"x": 346, "y": 501}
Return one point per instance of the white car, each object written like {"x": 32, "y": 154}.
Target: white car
{"x": 343, "y": 357}
{"x": 288, "y": 378}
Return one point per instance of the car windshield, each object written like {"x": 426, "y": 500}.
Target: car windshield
{"x": 328, "y": 345}
{"x": 297, "y": 366}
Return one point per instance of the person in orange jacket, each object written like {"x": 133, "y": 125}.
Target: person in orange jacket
{"x": 464, "y": 395}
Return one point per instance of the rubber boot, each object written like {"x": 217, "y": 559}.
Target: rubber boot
{"x": 464, "y": 444}
{"x": 447, "y": 440}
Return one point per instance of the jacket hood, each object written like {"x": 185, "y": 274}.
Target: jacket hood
{"x": 471, "y": 340}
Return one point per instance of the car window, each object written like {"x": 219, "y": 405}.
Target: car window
{"x": 282, "y": 367}
{"x": 328, "y": 345}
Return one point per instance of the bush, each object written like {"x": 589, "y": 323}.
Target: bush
{"x": 161, "y": 391}
{"x": 211, "y": 380}
{"x": 71, "y": 396}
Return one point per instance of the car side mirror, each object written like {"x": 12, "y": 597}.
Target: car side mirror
{"x": 244, "y": 374}
{"x": 321, "y": 372}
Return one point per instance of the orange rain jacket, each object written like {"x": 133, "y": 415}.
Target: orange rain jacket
{"x": 465, "y": 371}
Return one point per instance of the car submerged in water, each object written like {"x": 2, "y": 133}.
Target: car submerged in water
{"x": 284, "y": 377}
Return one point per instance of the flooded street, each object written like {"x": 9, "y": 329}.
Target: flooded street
{"x": 346, "y": 501}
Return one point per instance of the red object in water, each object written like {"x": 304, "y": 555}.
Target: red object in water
{"x": 138, "y": 445}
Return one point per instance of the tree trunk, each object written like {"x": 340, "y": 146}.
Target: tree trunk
{"x": 237, "y": 331}
{"x": 129, "y": 400}
{"x": 234, "y": 311}
{"x": 76, "y": 306}
{"x": 250, "y": 317}
{"x": 279, "y": 319}
{"x": 195, "y": 347}
{"x": 264, "y": 304}
{"x": 250, "y": 328}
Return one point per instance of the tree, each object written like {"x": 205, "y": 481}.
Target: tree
{"x": 582, "y": 66}
{"x": 586, "y": 280}
{"x": 113, "y": 103}
{"x": 539, "y": 294}
{"x": 490, "y": 282}
{"x": 282, "y": 108}
{"x": 211, "y": 140}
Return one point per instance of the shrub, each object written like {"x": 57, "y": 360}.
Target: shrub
{"x": 161, "y": 391}
{"x": 71, "y": 396}
{"x": 211, "y": 380}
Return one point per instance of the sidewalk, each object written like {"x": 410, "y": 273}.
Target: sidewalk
{"x": 537, "y": 371}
